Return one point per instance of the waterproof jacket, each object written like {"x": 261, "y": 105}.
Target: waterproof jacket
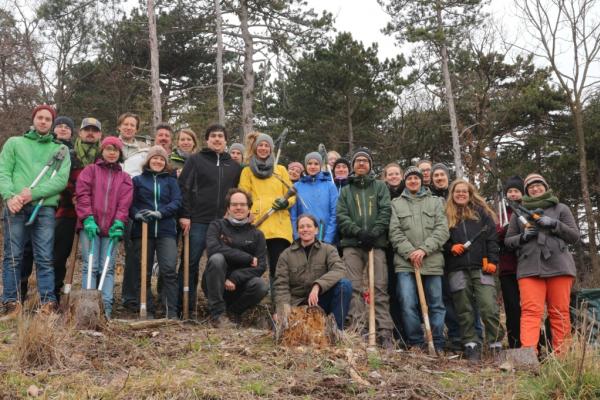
{"x": 296, "y": 273}
{"x": 239, "y": 245}
{"x": 204, "y": 182}
{"x": 508, "y": 257}
{"x": 23, "y": 158}
{"x": 418, "y": 222}
{"x": 156, "y": 192}
{"x": 104, "y": 191}
{"x": 264, "y": 192}
{"x": 177, "y": 159}
{"x": 363, "y": 205}
{"x": 485, "y": 245}
{"x": 317, "y": 195}
{"x": 547, "y": 255}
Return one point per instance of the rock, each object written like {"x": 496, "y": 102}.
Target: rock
{"x": 507, "y": 366}
{"x": 34, "y": 391}
{"x": 524, "y": 358}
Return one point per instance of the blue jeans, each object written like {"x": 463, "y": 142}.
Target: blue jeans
{"x": 406, "y": 290}
{"x": 99, "y": 257}
{"x": 197, "y": 246}
{"x": 336, "y": 301}
{"x": 41, "y": 234}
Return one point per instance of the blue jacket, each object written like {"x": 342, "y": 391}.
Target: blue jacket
{"x": 157, "y": 192}
{"x": 317, "y": 195}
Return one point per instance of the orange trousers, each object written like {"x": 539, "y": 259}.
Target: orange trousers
{"x": 554, "y": 292}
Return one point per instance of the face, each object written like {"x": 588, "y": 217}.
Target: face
{"x": 238, "y": 206}
{"x": 236, "y": 156}
{"x": 185, "y": 142}
{"x": 331, "y": 159}
{"x": 163, "y": 138}
{"x": 536, "y": 189}
{"x": 460, "y": 195}
{"x": 341, "y": 171}
{"x": 128, "y": 128}
{"x": 413, "y": 183}
{"x": 514, "y": 194}
{"x": 110, "y": 154}
{"x": 216, "y": 141}
{"x": 393, "y": 176}
{"x": 313, "y": 167}
{"x": 361, "y": 166}
{"x": 263, "y": 150}
{"x": 440, "y": 179}
{"x": 295, "y": 173}
{"x": 42, "y": 121}
{"x": 63, "y": 132}
{"x": 157, "y": 164}
{"x": 426, "y": 170}
{"x": 90, "y": 134}
{"x": 307, "y": 231}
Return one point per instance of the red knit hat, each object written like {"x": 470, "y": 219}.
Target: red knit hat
{"x": 44, "y": 107}
{"x": 112, "y": 140}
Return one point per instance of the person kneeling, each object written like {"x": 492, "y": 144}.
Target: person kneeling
{"x": 311, "y": 272}
{"x": 236, "y": 261}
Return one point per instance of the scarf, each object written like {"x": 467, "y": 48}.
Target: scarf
{"x": 238, "y": 222}
{"x": 262, "y": 169}
{"x": 86, "y": 152}
{"x": 544, "y": 201}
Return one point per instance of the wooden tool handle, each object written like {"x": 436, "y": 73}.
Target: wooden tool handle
{"x": 371, "y": 298}
{"x": 144, "y": 269}
{"x": 186, "y": 276}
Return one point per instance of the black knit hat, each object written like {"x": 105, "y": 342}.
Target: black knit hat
{"x": 64, "y": 120}
{"x": 412, "y": 170}
{"x": 342, "y": 160}
{"x": 363, "y": 152}
{"x": 514, "y": 182}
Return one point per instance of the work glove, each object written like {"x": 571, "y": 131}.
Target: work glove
{"x": 366, "y": 239}
{"x": 538, "y": 211}
{"x": 90, "y": 227}
{"x": 280, "y": 204}
{"x": 547, "y": 222}
{"x": 489, "y": 268}
{"x": 141, "y": 216}
{"x": 152, "y": 215}
{"x": 458, "y": 249}
{"x": 117, "y": 230}
{"x": 529, "y": 233}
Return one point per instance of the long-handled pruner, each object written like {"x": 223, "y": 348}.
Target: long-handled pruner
{"x": 470, "y": 242}
{"x": 106, "y": 263}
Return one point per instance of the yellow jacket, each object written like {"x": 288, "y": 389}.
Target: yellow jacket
{"x": 264, "y": 192}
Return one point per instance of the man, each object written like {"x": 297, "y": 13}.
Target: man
{"x": 425, "y": 167}
{"x": 363, "y": 216}
{"x": 163, "y": 136}
{"x": 440, "y": 178}
{"x": 205, "y": 180}
{"x": 237, "y": 258}
{"x": 22, "y": 160}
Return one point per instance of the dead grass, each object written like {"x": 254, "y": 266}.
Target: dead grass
{"x": 39, "y": 342}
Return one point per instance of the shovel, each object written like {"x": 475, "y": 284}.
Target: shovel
{"x": 87, "y": 306}
{"x": 64, "y": 302}
{"x": 186, "y": 276}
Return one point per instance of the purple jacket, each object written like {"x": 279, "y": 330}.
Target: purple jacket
{"x": 104, "y": 191}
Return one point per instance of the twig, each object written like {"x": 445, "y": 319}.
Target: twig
{"x": 581, "y": 362}
{"x": 354, "y": 375}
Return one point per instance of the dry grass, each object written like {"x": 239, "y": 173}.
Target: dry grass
{"x": 39, "y": 342}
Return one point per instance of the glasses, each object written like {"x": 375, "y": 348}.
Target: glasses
{"x": 238, "y": 204}
{"x": 361, "y": 161}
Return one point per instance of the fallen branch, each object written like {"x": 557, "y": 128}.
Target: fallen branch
{"x": 354, "y": 375}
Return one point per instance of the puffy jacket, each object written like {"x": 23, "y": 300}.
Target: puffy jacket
{"x": 156, "y": 192}
{"x": 204, "y": 182}
{"x": 485, "y": 245}
{"x": 317, "y": 195}
{"x": 105, "y": 191}
{"x": 239, "y": 245}
{"x": 296, "y": 273}
{"x": 418, "y": 222}
{"x": 363, "y": 204}
{"x": 23, "y": 158}
{"x": 508, "y": 257}
{"x": 547, "y": 255}
{"x": 264, "y": 192}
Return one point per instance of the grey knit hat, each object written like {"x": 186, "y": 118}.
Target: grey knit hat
{"x": 313, "y": 156}
{"x": 237, "y": 146}
{"x": 263, "y": 137}
{"x": 441, "y": 166}
{"x": 412, "y": 170}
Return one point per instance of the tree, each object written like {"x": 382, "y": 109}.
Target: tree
{"x": 570, "y": 26}
{"x": 154, "y": 66}
{"x": 219, "y": 62}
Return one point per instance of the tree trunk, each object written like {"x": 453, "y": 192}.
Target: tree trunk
{"x": 349, "y": 127}
{"x": 154, "y": 66}
{"x": 248, "y": 88}
{"x": 220, "y": 95}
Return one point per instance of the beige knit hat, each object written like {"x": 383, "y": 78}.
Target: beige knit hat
{"x": 534, "y": 177}
{"x": 156, "y": 151}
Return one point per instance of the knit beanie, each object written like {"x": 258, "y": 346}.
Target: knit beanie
{"x": 313, "y": 156}
{"x": 412, "y": 170}
{"x": 297, "y": 165}
{"x": 342, "y": 160}
{"x": 441, "y": 166}
{"x": 64, "y": 120}
{"x": 514, "y": 182}
{"x": 156, "y": 151}
{"x": 533, "y": 178}
{"x": 363, "y": 152}
{"x": 263, "y": 137}
{"x": 112, "y": 140}
{"x": 237, "y": 146}
{"x": 44, "y": 107}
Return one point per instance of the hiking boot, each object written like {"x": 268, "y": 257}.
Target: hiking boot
{"x": 495, "y": 350}
{"x": 11, "y": 310}
{"x": 48, "y": 308}
{"x": 223, "y": 322}
{"x": 386, "y": 341}
{"x": 473, "y": 353}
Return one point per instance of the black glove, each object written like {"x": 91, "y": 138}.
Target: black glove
{"x": 280, "y": 204}
{"x": 366, "y": 239}
{"x": 547, "y": 222}
{"x": 529, "y": 233}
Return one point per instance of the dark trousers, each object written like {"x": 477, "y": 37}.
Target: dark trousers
{"x": 336, "y": 301}
{"x": 246, "y": 294}
{"x": 512, "y": 308}
{"x": 395, "y": 310}
{"x": 451, "y": 319}
{"x": 274, "y": 249}
{"x": 131, "y": 272}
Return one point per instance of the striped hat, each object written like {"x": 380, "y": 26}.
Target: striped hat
{"x": 535, "y": 178}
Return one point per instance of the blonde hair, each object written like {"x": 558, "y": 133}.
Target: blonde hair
{"x": 191, "y": 134}
{"x": 456, "y": 214}
{"x": 392, "y": 165}
{"x": 249, "y": 143}
{"x": 126, "y": 115}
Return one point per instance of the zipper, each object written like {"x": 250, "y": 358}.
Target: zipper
{"x": 219, "y": 174}
{"x": 156, "y": 205}
{"x": 106, "y": 197}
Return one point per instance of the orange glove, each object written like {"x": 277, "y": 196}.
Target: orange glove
{"x": 489, "y": 268}
{"x": 457, "y": 249}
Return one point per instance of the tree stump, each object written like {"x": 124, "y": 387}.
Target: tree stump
{"x": 86, "y": 310}
{"x": 309, "y": 326}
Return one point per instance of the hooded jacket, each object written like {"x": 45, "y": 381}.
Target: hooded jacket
{"x": 317, "y": 195}
{"x": 104, "y": 191}
{"x": 204, "y": 182}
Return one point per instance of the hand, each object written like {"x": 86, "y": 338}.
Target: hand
{"x": 15, "y": 204}
{"x": 366, "y": 240}
{"x": 280, "y": 204}
{"x": 229, "y": 286}
{"x": 152, "y": 215}
{"x": 529, "y": 233}
{"x": 25, "y": 195}
{"x": 185, "y": 224}
{"x": 90, "y": 227}
{"x": 416, "y": 258}
{"x": 547, "y": 222}
{"x": 458, "y": 249}
{"x": 141, "y": 216}
{"x": 254, "y": 262}
{"x": 117, "y": 230}
{"x": 313, "y": 297}
{"x": 489, "y": 268}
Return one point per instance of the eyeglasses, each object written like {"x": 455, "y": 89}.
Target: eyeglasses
{"x": 361, "y": 161}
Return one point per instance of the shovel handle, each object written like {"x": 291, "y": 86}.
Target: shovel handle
{"x": 425, "y": 311}
{"x": 88, "y": 285}
{"x": 106, "y": 263}
{"x": 186, "y": 276}
{"x": 144, "y": 269}
{"x": 64, "y": 303}
{"x": 371, "y": 299}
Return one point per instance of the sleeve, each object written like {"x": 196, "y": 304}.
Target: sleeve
{"x": 7, "y": 164}
{"x": 331, "y": 224}
{"x": 440, "y": 235}
{"x": 125, "y": 198}
{"x": 281, "y": 287}
{"x": 336, "y": 269}
{"x": 186, "y": 185}
{"x": 566, "y": 227}
{"x": 242, "y": 275}
{"x": 398, "y": 237}
{"x": 50, "y": 187}
{"x": 382, "y": 221}
{"x": 493, "y": 249}
{"x": 83, "y": 193}
{"x": 347, "y": 226}
{"x": 295, "y": 212}
{"x": 215, "y": 244}
{"x": 245, "y": 180}
{"x": 170, "y": 209}
{"x": 512, "y": 240}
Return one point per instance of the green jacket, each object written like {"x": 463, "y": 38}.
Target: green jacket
{"x": 363, "y": 204}
{"x": 23, "y": 158}
{"x": 418, "y": 222}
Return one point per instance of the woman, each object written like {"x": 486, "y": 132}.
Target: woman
{"x": 236, "y": 151}
{"x": 341, "y": 171}
{"x": 332, "y": 157}
{"x": 316, "y": 195}
{"x": 471, "y": 268}
{"x": 545, "y": 269}
{"x": 295, "y": 171}
{"x": 186, "y": 144}
{"x": 393, "y": 177}
{"x": 311, "y": 272}
{"x": 267, "y": 184}
{"x": 418, "y": 232}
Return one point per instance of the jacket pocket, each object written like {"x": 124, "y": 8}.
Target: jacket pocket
{"x": 486, "y": 279}
{"x": 457, "y": 280}
{"x": 404, "y": 218}
{"x": 428, "y": 218}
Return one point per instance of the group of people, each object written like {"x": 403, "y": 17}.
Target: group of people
{"x": 314, "y": 226}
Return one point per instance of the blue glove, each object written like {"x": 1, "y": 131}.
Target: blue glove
{"x": 529, "y": 233}
{"x": 547, "y": 222}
